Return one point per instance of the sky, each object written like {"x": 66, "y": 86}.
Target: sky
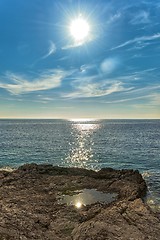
{"x": 114, "y": 72}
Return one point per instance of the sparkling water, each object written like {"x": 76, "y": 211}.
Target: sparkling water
{"x": 91, "y": 144}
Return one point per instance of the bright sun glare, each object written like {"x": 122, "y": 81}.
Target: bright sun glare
{"x": 79, "y": 29}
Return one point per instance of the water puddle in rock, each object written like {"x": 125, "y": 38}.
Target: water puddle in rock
{"x": 85, "y": 197}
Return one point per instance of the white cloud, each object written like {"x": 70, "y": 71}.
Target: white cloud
{"x": 73, "y": 45}
{"x": 78, "y": 43}
{"x": 114, "y": 18}
{"x": 128, "y": 99}
{"x": 146, "y": 89}
{"x": 51, "y": 50}
{"x": 138, "y": 40}
{"x": 125, "y": 86}
{"x": 46, "y": 81}
{"x": 47, "y": 99}
{"x": 90, "y": 89}
{"x": 141, "y": 18}
{"x": 155, "y": 100}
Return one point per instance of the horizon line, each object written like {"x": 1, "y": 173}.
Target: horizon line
{"x": 80, "y": 119}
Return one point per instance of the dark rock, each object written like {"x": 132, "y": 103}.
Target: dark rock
{"x": 29, "y": 208}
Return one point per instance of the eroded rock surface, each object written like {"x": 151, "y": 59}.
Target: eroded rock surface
{"x": 29, "y": 208}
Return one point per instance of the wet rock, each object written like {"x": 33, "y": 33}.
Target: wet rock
{"x": 29, "y": 208}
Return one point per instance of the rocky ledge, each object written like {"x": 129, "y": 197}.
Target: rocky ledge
{"x": 29, "y": 207}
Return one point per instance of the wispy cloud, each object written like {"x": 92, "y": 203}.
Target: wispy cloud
{"x": 20, "y": 85}
{"x": 73, "y": 45}
{"x": 113, "y": 18}
{"x": 152, "y": 103}
{"x": 121, "y": 88}
{"x": 128, "y": 99}
{"x": 142, "y": 17}
{"x": 78, "y": 43}
{"x": 51, "y": 50}
{"x": 47, "y": 99}
{"x": 139, "y": 45}
{"x": 138, "y": 39}
{"x": 94, "y": 89}
{"x": 156, "y": 100}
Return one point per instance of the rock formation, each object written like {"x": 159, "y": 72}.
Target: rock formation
{"x": 29, "y": 207}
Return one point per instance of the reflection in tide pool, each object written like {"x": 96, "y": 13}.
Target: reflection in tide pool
{"x": 81, "y": 146}
{"x": 87, "y": 196}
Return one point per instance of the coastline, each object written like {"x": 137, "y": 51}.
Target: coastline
{"x": 30, "y": 210}
{"x": 150, "y": 199}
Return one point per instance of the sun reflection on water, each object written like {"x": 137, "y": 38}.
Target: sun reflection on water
{"x": 82, "y": 143}
{"x": 78, "y": 205}
{"x": 84, "y": 197}
{"x": 82, "y": 119}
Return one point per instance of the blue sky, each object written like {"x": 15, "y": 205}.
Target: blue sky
{"x": 45, "y": 73}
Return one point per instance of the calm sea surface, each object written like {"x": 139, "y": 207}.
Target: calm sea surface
{"x": 89, "y": 144}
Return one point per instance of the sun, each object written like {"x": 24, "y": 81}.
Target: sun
{"x": 79, "y": 29}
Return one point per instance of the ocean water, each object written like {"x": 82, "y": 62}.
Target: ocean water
{"x": 91, "y": 144}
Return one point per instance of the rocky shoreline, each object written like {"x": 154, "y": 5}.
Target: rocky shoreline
{"x": 29, "y": 207}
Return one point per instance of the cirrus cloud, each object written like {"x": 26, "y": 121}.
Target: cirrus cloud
{"x": 51, "y": 50}
{"x": 137, "y": 40}
{"x": 21, "y": 85}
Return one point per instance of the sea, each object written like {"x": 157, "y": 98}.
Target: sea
{"x": 85, "y": 143}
